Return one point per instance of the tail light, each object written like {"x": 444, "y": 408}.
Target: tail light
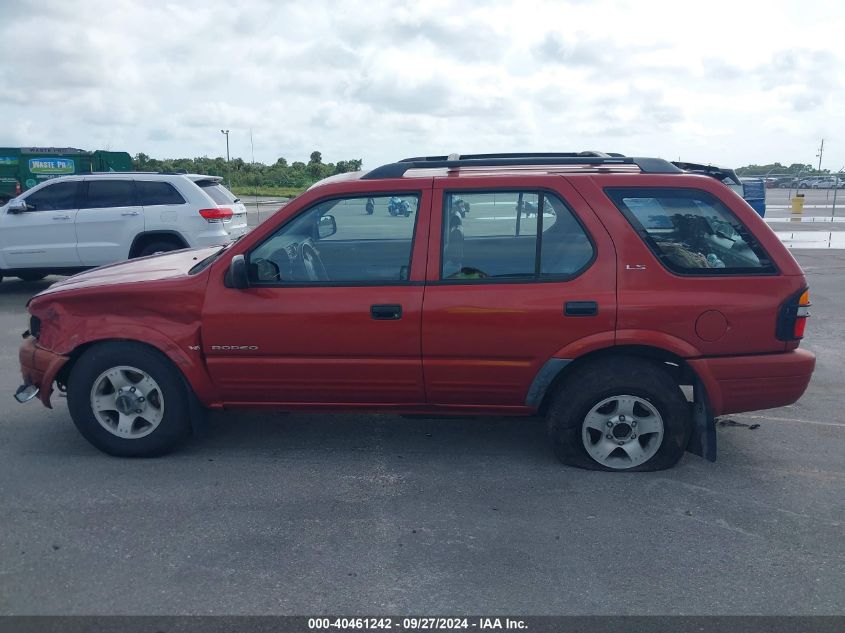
{"x": 792, "y": 318}
{"x": 17, "y": 189}
{"x": 217, "y": 214}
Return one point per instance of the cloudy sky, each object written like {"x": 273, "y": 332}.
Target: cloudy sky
{"x": 722, "y": 82}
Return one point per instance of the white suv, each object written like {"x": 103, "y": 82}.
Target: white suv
{"x": 68, "y": 224}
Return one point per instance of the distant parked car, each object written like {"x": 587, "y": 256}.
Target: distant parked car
{"x": 827, "y": 182}
{"x": 69, "y": 224}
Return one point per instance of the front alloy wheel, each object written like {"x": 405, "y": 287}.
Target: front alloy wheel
{"x": 127, "y": 402}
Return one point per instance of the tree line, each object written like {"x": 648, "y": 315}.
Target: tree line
{"x": 242, "y": 174}
{"x": 776, "y": 169}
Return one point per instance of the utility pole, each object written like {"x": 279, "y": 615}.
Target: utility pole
{"x": 819, "y": 155}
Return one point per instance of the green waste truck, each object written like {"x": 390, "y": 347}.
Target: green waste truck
{"x": 22, "y": 168}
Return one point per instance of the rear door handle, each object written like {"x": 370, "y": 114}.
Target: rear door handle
{"x": 131, "y": 213}
{"x": 61, "y": 217}
{"x": 386, "y": 312}
{"x": 581, "y": 308}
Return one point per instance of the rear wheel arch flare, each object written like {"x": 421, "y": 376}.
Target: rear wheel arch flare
{"x": 683, "y": 373}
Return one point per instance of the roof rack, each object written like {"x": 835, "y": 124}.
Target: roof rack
{"x": 456, "y": 161}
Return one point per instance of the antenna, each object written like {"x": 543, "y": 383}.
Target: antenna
{"x": 819, "y": 155}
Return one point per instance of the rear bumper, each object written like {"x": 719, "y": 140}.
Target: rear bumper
{"x": 39, "y": 368}
{"x": 748, "y": 383}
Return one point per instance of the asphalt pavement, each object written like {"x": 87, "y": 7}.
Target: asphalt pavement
{"x": 377, "y": 514}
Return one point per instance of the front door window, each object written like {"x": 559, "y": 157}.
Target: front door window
{"x": 60, "y": 196}
{"x": 365, "y": 239}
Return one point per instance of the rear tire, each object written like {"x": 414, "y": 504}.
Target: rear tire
{"x": 128, "y": 400}
{"x": 161, "y": 246}
{"x": 31, "y": 276}
{"x": 620, "y": 414}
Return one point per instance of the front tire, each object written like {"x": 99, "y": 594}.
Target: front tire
{"x": 620, "y": 413}
{"x": 128, "y": 400}
{"x": 31, "y": 276}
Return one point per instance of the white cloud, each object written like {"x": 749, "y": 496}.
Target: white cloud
{"x": 728, "y": 83}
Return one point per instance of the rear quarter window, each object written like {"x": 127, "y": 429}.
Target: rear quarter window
{"x": 691, "y": 232}
{"x": 216, "y": 191}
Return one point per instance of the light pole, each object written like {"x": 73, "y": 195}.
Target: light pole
{"x": 226, "y": 132}
{"x": 228, "y": 171}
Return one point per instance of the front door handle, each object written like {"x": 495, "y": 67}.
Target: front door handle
{"x": 388, "y": 312}
{"x": 581, "y": 308}
{"x": 61, "y": 217}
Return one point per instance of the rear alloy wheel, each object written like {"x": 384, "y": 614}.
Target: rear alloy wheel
{"x": 128, "y": 400}
{"x": 620, "y": 413}
{"x": 622, "y": 431}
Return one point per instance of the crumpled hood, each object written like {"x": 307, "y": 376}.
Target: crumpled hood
{"x": 170, "y": 265}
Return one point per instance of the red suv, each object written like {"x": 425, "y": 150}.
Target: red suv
{"x": 628, "y": 301}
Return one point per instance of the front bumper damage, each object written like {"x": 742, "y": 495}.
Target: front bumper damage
{"x": 39, "y": 368}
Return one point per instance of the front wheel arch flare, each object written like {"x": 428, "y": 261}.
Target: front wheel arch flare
{"x": 172, "y": 354}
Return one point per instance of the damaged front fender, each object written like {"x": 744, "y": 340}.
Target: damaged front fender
{"x": 39, "y": 367}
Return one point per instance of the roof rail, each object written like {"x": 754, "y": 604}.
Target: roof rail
{"x": 456, "y": 161}
{"x": 510, "y": 155}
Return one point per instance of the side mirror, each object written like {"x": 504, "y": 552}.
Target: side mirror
{"x": 237, "y": 277}
{"x": 18, "y": 206}
{"x": 326, "y": 227}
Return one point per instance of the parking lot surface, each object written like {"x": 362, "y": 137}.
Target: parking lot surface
{"x": 377, "y": 514}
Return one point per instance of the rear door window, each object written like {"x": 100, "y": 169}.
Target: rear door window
{"x": 152, "y": 193}
{"x": 106, "y": 194}
{"x": 217, "y": 191}
{"x": 691, "y": 232}
{"x": 501, "y": 235}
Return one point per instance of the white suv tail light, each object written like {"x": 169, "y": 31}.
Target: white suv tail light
{"x": 217, "y": 214}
